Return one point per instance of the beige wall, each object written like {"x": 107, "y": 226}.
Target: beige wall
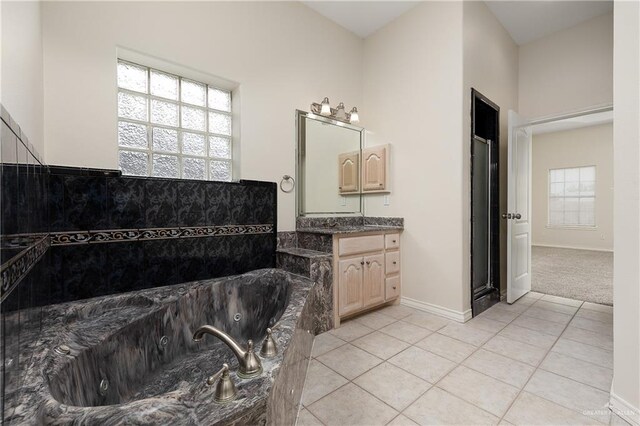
{"x": 283, "y": 55}
{"x": 491, "y": 67}
{"x": 588, "y": 146}
{"x": 567, "y": 71}
{"x": 625, "y": 391}
{"x": 412, "y": 98}
{"x": 21, "y": 90}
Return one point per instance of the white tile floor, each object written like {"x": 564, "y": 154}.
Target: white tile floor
{"x": 544, "y": 360}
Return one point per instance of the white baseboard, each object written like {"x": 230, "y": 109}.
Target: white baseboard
{"x": 623, "y": 409}
{"x": 437, "y": 310}
{"x": 572, "y": 247}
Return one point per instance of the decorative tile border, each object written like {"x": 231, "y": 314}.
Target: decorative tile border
{"x": 13, "y": 271}
{"x": 124, "y": 235}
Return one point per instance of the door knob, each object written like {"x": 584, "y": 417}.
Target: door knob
{"x": 506, "y": 215}
{"x": 517, "y": 216}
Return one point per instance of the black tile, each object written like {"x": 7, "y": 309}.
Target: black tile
{"x": 161, "y": 200}
{"x": 84, "y": 267}
{"x": 160, "y": 263}
{"x": 85, "y": 203}
{"x": 240, "y": 205}
{"x": 192, "y": 262}
{"x": 55, "y": 200}
{"x": 262, "y": 199}
{"x": 125, "y": 272}
{"x": 22, "y": 210}
{"x": 218, "y": 203}
{"x": 220, "y": 256}
{"x": 191, "y": 203}
{"x": 126, "y": 203}
{"x": 9, "y": 194}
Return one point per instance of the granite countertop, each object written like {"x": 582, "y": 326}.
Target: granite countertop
{"x": 352, "y": 229}
{"x": 302, "y": 252}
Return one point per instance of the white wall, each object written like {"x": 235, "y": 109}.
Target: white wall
{"x": 283, "y": 54}
{"x": 625, "y": 391}
{"x": 491, "y": 67}
{"x": 570, "y": 70}
{"x": 587, "y": 146}
{"x": 22, "y": 88}
{"x": 412, "y": 99}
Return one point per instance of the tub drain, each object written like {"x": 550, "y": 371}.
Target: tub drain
{"x": 237, "y": 317}
{"x": 104, "y": 387}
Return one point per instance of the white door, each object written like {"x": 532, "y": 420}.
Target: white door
{"x": 518, "y": 215}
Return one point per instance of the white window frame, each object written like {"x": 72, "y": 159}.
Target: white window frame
{"x": 578, "y": 197}
{"x": 179, "y": 129}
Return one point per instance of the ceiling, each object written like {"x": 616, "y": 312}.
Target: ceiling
{"x": 527, "y": 21}
{"x": 574, "y": 122}
{"x": 362, "y": 18}
{"x": 524, "y": 20}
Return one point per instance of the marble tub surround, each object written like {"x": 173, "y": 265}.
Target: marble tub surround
{"x": 165, "y": 383}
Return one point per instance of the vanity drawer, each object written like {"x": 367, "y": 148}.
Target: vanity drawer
{"x": 392, "y": 288}
{"x": 366, "y": 243}
{"x": 392, "y": 262}
{"x": 392, "y": 241}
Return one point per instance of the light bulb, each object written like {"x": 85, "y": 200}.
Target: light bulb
{"x": 326, "y": 107}
{"x": 340, "y": 113}
{"x": 353, "y": 115}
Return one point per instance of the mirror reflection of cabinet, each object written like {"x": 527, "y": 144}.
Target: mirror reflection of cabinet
{"x": 374, "y": 169}
{"x": 349, "y": 166}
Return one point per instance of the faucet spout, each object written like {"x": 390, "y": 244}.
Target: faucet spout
{"x": 249, "y": 364}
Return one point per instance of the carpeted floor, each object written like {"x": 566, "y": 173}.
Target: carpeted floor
{"x": 577, "y": 274}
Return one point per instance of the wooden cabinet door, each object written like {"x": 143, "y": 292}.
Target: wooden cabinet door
{"x": 349, "y": 285}
{"x": 373, "y": 286}
{"x": 373, "y": 168}
{"x": 348, "y": 174}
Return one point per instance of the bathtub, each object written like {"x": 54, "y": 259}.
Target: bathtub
{"x": 132, "y": 359}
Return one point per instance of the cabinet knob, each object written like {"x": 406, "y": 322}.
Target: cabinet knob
{"x": 379, "y": 184}
{"x": 394, "y": 241}
{"x": 368, "y": 263}
{"x": 394, "y": 287}
{"x": 395, "y": 263}
{"x": 362, "y": 262}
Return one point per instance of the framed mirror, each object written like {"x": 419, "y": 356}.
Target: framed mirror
{"x": 328, "y": 153}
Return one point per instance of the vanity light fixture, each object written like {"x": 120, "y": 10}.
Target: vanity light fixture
{"x": 339, "y": 113}
{"x": 326, "y": 107}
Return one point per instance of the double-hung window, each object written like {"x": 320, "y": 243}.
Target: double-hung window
{"x": 572, "y": 197}
{"x": 170, "y": 126}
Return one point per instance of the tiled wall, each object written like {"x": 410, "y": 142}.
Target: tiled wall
{"x": 112, "y": 234}
{"x": 23, "y": 214}
{"x": 75, "y": 233}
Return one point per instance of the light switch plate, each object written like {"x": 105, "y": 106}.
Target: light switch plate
{"x": 386, "y": 201}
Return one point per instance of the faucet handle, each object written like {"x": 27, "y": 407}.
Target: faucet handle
{"x": 269, "y": 348}
{"x": 225, "y": 389}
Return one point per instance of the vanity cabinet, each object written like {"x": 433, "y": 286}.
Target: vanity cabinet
{"x": 368, "y": 271}
{"x": 374, "y": 169}
{"x": 348, "y": 172}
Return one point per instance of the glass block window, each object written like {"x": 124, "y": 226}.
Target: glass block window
{"x": 572, "y": 196}
{"x": 170, "y": 126}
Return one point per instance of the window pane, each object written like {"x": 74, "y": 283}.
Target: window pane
{"x": 556, "y": 175}
{"x": 219, "y": 147}
{"x": 132, "y": 77}
{"x": 193, "y": 143}
{"x": 193, "y": 118}
{"x": 164, "y": 85}
{"x": 165, "y": 140}
{"x": 571, "y": 204}
{"x": 165, "y": 165}
{"x": 219, "y": 123}
{"x": 193, "y": 93}
{"x": 571, "y": 218}
{"x": 556, "y": 189}
{"x": 193, "y": 168}
{"x": 219, "y": 99}
{"x": 134, "y": 163}
{"x": 556, "y": 204}
{"x": 587, "y": 188}
{"x": 220, "y": 170}
{"x": 164, "y": 113}
{"x": 556, "y": 218}
{"x": 588, "y": 173}
{"x": 572, "y": 175}
{"x": 132, "y": 135}
{"x": 132, "y": 106}
{"x": 572, "y": 189}
{"x": 587, "y": 218}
